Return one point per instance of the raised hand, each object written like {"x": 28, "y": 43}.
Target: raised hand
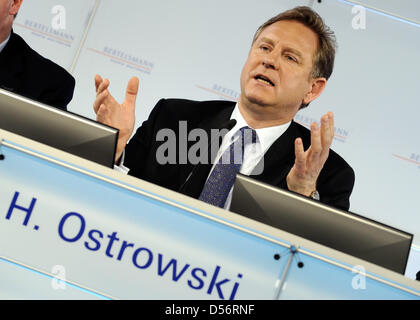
{"x": 110, "y": 112}
{"x": 308, "y": 164}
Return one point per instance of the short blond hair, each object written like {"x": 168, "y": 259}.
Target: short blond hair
{"x": 323, "y": 60}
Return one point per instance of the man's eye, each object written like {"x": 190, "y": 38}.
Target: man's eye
{"x": 264, "y": 48}
{"x": 289, "y": 57}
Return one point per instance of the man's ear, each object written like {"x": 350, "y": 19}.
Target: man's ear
{"x": 14, "y": 8}
{"x": 317, "y": 86}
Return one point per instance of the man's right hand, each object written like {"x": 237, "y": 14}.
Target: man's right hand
{"x": 110, "y": 112}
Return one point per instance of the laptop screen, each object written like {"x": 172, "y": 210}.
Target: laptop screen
{"x": 57, "y": 128}
{"x": 341, "y": 230}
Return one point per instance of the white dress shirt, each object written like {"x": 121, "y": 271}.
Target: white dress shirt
{"x": 3, "y": 44}
{"x": 252, "y": 153}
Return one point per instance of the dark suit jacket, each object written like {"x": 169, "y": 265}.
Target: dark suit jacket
{"x": 25, "y": 72}
{"x": 335, "y": 182}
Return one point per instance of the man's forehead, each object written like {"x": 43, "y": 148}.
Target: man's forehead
{"x": 292, "y": 34}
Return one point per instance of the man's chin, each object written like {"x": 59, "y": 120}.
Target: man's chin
{"x": 258, "y": 101}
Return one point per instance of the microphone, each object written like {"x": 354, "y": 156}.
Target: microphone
{"x": 226, "y": 125}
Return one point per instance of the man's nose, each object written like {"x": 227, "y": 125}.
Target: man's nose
{"x": 269, "y": 62}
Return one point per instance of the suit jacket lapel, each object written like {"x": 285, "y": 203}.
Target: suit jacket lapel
{"x": 277, "y": 161}
{"x": 279, "y": 158}
{"x": 11, "y": 65}
{"x": 199, "y": 173}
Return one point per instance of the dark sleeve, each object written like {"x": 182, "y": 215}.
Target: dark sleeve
{"x": 336, "y": 186}
{"x": 60, "y": 93}
{"x": 139, "y": 147}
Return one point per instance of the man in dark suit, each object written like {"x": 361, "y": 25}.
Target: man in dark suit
{"x": 288, "y": 65}
{"x": 24, "y": 71}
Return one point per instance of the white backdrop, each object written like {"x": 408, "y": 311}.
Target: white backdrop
{"x": 34, "y": 24}
{"x": 196, "y": 49}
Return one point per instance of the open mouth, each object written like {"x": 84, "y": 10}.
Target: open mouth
{"x": 264, "y": 79}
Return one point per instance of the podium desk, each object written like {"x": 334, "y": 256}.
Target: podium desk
{"x": 73, "y": 229}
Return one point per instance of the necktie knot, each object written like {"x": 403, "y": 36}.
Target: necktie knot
{"x": 221, "y": 179}
{"x": 247, "y": 134}
{"x": 243, "y": 137}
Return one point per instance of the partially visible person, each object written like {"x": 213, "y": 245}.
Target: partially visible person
{"x": 25, "y": 72}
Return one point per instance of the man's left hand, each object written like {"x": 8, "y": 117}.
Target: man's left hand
{"x": 308, "y": 164}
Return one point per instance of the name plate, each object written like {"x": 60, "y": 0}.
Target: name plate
{"x": 73, "y": 229}
{"x": 121, "y": 243}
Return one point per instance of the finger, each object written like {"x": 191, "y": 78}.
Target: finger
{"x": 316, "y": 145}
{"x": 102, "y": 86}
{"x": 98, "y": 80}
{"x": 131, "y": 92}
{"x": 300, "y": 161}
{"x": 331, "y": 119}
{"x": 102, "y": 114}
{"x": 326, "y": 137}
{"x": 100, "y": 100}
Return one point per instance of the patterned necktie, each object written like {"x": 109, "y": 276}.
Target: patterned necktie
{"x": 220, "y": 182}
